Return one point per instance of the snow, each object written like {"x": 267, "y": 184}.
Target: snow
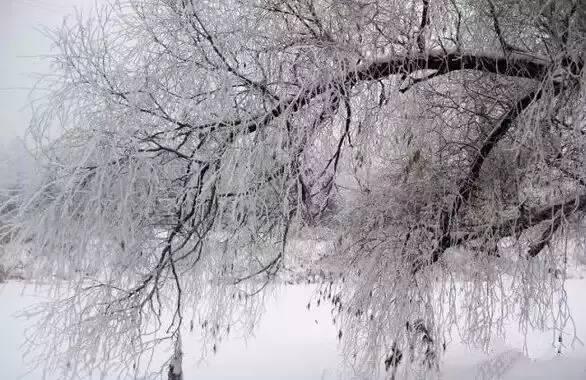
{"x": 506, "y": 359}
{"x": 290, "y": 343}
{"x": 294, "y": 343}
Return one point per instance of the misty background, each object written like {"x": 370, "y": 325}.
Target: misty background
{"x": 24, "y": 53}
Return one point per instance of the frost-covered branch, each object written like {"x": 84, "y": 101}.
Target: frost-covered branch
{"x": 198, "y": 143}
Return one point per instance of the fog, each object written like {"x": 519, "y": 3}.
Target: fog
{"x": 24, "y": 53}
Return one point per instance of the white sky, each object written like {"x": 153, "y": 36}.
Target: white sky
{"x": 21, "y": 47}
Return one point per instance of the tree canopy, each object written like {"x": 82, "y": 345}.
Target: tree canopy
{"x": 436, "y": 148}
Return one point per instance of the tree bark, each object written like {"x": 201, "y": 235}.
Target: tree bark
{"x": 176, "y": 367}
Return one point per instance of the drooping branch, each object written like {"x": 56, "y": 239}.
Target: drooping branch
{"x": 546, "y": 235}
{"x": 497, "y": 28}
{"x": 523, "y": 67}
{"x": 442, "y": 63}
{"x": 220, "y": 122}
{"x": 489, "y": 143}
{"x": 425, "y": 20}
{"x": 449, "y": 215}
{"x": 530, "y": 218}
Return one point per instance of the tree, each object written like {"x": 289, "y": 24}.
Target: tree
{"x": 437, "y": 145}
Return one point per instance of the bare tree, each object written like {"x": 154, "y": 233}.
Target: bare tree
{"x": 440, "y": 144}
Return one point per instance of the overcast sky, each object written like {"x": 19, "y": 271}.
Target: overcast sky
{"x": 21, "y": 47}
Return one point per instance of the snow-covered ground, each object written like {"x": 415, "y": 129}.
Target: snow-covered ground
{"x": 293, "y": 343}
{"x": 507, "y": 360}
{"x": 290, "y": 343}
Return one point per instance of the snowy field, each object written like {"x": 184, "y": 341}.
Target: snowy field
{"x": 293, "y": 343}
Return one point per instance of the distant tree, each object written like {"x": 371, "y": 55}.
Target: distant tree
{"x": 439, "y": 145}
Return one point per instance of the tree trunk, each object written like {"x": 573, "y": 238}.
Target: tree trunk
{"x": 175, "y": 367}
